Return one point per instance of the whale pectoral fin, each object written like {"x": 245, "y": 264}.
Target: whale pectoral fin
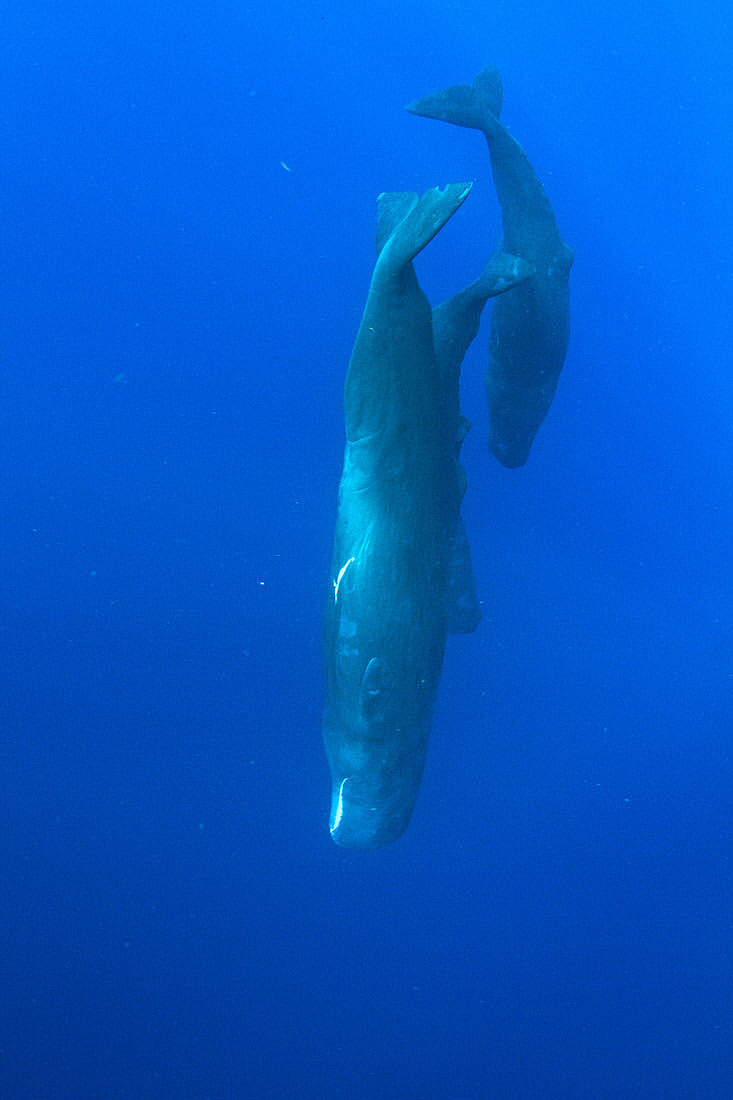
{"x": 463, "y": 427}
{"x": 462, "y": 610}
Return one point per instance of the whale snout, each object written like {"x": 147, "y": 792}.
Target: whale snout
{"x": 361, "y": 819}
{"x": 512, "y": 455}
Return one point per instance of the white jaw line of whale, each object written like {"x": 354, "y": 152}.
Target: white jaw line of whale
{"x": 340, "y": 807}
{"x": 337, "y": 582}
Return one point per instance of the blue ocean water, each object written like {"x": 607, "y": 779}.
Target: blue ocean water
{"x": 188, "y": 211}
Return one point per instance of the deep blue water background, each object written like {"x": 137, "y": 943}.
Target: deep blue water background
{"x": 177, "y": 314}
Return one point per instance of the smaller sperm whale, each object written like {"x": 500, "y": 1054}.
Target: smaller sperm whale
{"x": 529, "y": 328}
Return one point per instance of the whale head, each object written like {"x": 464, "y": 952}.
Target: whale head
{"x": 384, "y": 638}
{"x": 366, "y": 813}
{"x": 376, "y": 741}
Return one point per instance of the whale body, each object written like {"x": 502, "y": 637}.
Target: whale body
{"x": 401, "y": 574}
{"x": 385, "y": 625}
{"x": 455, "y": 325}
{"x": 529, "y": 328}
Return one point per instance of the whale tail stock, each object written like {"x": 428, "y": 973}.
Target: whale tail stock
{"x": 473, "y": 105}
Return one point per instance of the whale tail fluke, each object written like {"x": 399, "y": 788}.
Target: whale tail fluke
{"x": 503, "y": 272}
{"x": 415, "y": 221}
{"x": 392, "y": 207}
{"x": 473, "y": 105}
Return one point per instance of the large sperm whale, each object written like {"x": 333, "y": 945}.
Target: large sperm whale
{"x": 529, "y": 328}
{"x": 397, "y": 526}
